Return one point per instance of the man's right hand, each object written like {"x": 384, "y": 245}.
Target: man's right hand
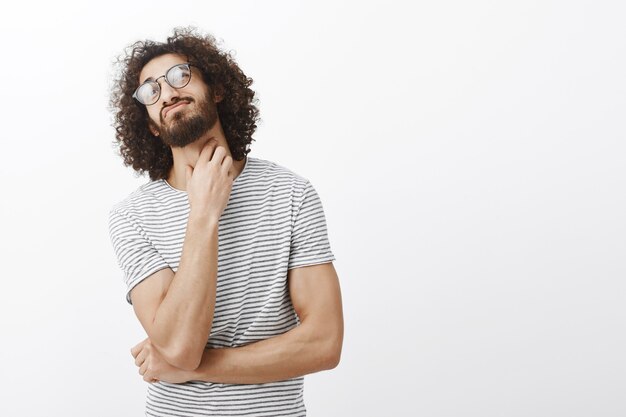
{"x": 210, "y": 182}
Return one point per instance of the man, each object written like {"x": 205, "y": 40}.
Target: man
{"x": 226, "y": 257}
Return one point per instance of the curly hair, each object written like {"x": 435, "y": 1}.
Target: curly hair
{"x": 237, "y": 110}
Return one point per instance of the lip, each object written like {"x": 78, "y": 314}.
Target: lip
{"x": 173, "y": 106}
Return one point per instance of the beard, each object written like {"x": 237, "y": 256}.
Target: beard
{"x": 185, "y": 126}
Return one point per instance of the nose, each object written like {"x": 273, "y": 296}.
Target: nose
{"x": 168, "y": 93}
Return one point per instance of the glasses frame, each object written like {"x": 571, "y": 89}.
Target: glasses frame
{"x": 158, "y": 85}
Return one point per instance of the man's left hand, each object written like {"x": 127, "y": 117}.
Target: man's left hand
{"x": 154, "y": 368}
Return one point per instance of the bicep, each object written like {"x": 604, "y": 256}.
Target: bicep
{"x": 148, "y": 294}
{"x": 316, "y": 295}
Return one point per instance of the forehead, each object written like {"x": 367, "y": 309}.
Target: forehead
{"x": 157, "y": 66}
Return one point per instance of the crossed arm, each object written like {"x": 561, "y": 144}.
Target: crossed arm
{"x": 313, "y": 346}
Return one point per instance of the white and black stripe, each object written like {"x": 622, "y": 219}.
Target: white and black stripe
{"x": 274, "y": 221}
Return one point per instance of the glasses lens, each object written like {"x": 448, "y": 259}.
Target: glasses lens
{"x": 148, "y": 92}
{"x": 179, "y": 76}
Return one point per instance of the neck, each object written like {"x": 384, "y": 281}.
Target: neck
{"x": 189, "y": 155}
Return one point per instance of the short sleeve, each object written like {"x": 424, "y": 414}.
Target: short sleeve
{"x": 136, "y": 255}
{"x": 309, "y": 238}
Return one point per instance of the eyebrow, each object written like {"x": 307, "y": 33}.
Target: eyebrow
{"x": 147, "y": 79}
{"x": 152, "y": 78}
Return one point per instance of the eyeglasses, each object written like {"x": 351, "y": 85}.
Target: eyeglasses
{"x": 177, "y": 77}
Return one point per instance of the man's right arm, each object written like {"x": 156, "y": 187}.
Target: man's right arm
{"x": 176, "y": 309}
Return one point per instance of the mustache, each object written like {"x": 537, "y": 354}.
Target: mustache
{"x": 184, "y": 99}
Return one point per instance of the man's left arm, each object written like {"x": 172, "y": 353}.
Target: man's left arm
{"x": 314, "y": 345}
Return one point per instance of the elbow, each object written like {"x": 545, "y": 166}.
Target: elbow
{"x": 186, "y": 362}
{"x": 183, "y": 358}
{"x": 328, "y": 347}
{"x": 332, "y": 354}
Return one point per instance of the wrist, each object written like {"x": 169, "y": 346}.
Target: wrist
{"x": 203, "y": 371}
{"x": 193, "y": 375}
{"x": 201, "y": 219}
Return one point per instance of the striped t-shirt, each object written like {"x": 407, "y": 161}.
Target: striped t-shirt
{"x": 274, "y": 221}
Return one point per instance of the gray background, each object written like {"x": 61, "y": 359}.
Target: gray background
{"x": 469, "y": 157}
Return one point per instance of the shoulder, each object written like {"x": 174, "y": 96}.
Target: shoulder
{"x": 273, "y": 172}
{"x": 138, "y": 203}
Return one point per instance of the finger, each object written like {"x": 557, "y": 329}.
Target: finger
{"x": 207, "y": 150}
{"x": 219, "y": 155}
{"x": 228, "y": 162}
{"x": 143, "y": 368}
{"x": 141, "y": 357}
{"x": 227, "y": 167}
{"x": 148, "y": 376}
{"x": 136, "y": 349}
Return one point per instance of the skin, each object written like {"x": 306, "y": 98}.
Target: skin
{"x": 196, "y": 89}
{"x": 176, "y": 309}
{"x": 313, "y": 346}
